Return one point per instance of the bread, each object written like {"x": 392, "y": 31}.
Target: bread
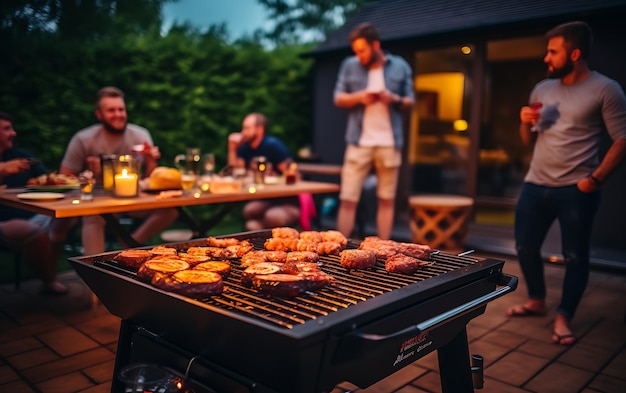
{"x": 164, "y": 178}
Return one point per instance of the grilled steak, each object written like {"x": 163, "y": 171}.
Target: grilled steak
{"x": 302, "y": 256}
{"x": 161, "y": 264}
{"x": 220, "y": 267}
{"x": 163, "y": 250}
{"x": 357, "y": 259}
{"x": 193, "y": 259}
{"x": 259, "y": 269}
{"x": 190, "y": 283}
{"x": 404, "y": 264}
{"x": 132, "y": 258}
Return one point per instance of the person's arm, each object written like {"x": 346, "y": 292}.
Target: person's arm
{"x": 344, "y": 94}
{"x": 234, "y": 141}
{"x": 611, "y": 160}
{"x": 13, "y": 167}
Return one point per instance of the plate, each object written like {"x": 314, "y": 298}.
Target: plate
{"x": 41, "y": 196}
{"x": 55, "y": 188}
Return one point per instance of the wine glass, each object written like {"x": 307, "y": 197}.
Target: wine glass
{"x": 535, "y": 106}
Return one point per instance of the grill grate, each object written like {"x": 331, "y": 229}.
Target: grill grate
{"x": 351, "y": 287}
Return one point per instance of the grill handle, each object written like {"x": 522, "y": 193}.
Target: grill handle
{"x": 508, "y": 284}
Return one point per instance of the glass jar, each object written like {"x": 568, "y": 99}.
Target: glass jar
{"x": 126, "y": 176}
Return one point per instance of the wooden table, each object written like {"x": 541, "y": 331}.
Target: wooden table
{"x": 319, "y": 169}
{"x": 106, "y": 205}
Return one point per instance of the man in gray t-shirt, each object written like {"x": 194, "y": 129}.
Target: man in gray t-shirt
{"x": 112, "y": 136}
{"x": 567, "y": 115}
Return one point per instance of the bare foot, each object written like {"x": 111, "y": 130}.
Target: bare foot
{"x": 562, "y": 333}
{"x": 530, "y": 308}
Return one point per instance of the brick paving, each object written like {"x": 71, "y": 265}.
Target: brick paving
{"x": 63, "y": 344}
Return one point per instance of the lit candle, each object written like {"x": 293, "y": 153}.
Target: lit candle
{"x": 126, "y": 184}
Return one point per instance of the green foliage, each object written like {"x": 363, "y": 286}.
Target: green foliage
{"x": 313, "y": 19}
{"x": 188, "y": 88}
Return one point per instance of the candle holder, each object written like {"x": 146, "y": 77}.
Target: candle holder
{"x": 126, "y": 177}
{"x": 106, "y": 163}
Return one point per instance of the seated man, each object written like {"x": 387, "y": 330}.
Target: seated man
{"x": 17, "y": 233}
{"x": 242, "y": 148}
{"x": 114, "y": 135}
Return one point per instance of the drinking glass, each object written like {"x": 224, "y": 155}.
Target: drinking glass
{"x": 188, "y": 180}
{"x": 190, "y": 161}
{"x": 87, "y": 182}
{"x": 208, "y": 164}
{"x": 536, "y": 106}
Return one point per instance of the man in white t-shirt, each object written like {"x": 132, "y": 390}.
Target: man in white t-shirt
{"x": 114, "y": 135}
{"x": 376, "y": 87}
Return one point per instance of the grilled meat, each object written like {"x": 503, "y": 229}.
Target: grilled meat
{"x": 357, "y": 259}
{"x": 302, "y": 256}
{"x": 190, "y": 283}
{"x": 289, "y": 284}
{"x": 222, "y": 242}
{"x": 403, "y": 264}
{"x": 285, "y": 232}
{"x": 161, "y": 264}
{"x": 163, "y": 250}
{"x": 312, "y": 236}
{"x": 220, "y": 267}
{"x": 132, "y": 258}
{"x": 334, "y": 236}
{"x": 258, "y": 269}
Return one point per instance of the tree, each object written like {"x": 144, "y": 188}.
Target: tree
{"x": 312, "y": 19}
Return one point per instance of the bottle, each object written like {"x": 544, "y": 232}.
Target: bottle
{"x": 290, "y": 176}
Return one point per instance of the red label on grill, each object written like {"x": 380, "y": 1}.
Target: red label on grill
{"x": 413, "y": 341}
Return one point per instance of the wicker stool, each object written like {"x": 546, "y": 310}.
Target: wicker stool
{"x": 440, "y": 220}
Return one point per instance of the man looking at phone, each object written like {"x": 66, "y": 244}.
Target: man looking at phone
{"x": 375, "y": 86}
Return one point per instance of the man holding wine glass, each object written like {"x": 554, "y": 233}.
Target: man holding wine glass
{"x": 571, "y": 110}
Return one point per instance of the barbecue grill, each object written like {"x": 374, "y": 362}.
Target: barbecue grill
{"x": 366, "y": 326}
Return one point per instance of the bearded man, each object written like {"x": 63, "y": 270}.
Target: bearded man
{"x": 375, "y": 87}
{"x": 563, "y": 183}
{"x": 113, "y": 135}
{"x": 250, "y": 144}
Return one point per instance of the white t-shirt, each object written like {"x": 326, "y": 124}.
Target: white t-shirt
{"x": 95, "y": 141}
{"x": 376, "y": 123}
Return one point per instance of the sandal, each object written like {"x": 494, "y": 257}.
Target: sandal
{"x": 558, "y": 338}
{"x": 521, "y": 310}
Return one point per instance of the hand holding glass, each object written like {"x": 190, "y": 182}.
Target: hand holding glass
{"x": 536, "y": 106}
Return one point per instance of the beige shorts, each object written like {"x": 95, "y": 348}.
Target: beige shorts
{"x": 357, "y": 164}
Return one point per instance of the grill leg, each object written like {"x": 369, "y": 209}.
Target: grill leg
{"x": 122, "y": 356}
{"x": 454, "y": 367}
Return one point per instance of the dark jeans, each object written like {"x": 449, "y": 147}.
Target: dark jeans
{"x": 536, "y": 210}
